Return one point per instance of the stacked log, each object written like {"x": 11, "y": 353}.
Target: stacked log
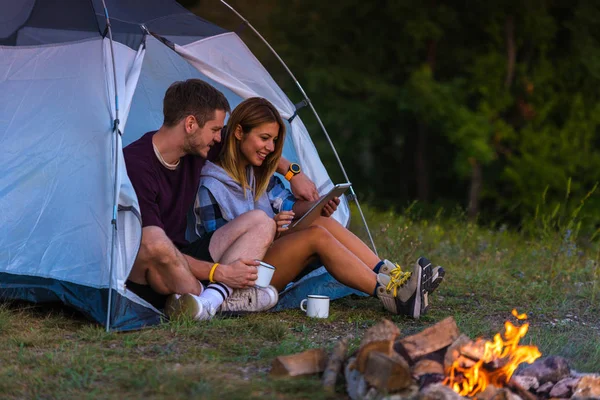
{"x": 389, "y": 366}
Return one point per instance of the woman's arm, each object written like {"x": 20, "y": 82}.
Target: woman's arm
{"x": 208, "y": 213}
{"x": 280, "y": 197}
{"x": 301, "y": 207}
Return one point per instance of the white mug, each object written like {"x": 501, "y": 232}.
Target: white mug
{"x": 318, "y": 306}
{"x": 265, "y": 273}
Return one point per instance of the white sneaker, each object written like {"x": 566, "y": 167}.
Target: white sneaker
{"x": 252, "y": 299}
{"x": 191, "y": 306}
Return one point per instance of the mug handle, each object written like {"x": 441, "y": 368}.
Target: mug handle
{"x": 302, "y": 304}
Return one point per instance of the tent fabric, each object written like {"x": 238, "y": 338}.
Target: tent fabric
{"x": 34, "y": 22}
{"x": 70, "y": 217}
{"x": 57, "y": 142}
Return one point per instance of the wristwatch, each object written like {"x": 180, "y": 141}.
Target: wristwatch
{"x": 293, "y": 170}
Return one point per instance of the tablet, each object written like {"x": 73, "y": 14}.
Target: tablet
{"x": 312, "y": 214}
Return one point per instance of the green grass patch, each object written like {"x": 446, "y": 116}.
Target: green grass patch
{"x": 52, "y": 352}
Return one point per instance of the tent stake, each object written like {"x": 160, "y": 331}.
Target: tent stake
{"x": 355, "y": 198}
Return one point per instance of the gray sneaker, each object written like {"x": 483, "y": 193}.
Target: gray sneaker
{"x": 188, "y": 305}
{"x": 401, "y": 292}
{"x": 252, "y": 299}
{"x": 431, "y": 278}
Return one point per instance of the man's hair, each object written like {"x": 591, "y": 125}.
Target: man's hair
{"x": 192, "y": 97}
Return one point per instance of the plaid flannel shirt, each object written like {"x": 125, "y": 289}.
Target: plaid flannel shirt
{"x": 208, "y": 213}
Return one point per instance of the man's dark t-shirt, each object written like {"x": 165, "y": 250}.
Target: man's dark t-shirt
{"x": 165, "y": 195}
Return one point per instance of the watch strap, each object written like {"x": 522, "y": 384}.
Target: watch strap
{"x": 290, "y": 172}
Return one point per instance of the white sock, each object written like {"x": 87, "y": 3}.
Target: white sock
{"x": 191, "y": 294}
{"x": 216, "y": 293}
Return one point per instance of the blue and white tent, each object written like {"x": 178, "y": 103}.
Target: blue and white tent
{"x": 78, "y": 81}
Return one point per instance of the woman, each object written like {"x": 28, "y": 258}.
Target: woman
{"x": 242, "y": 180}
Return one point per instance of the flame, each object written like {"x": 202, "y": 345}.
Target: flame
{"x": 468, "y": 381}
{"x": 518, "y": 316}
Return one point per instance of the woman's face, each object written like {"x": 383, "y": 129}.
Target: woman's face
{"x": 256, "y": 145}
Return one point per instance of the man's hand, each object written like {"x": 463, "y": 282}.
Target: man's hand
{"x": 303, "y": 188}
{"x": 239, "y": 274}
{"x": 330, "y": 207}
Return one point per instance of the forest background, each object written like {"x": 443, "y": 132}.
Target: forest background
{"x": 491, "y": 108}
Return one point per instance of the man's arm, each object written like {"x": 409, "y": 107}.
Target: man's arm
{"x": 301, "y": 185}
{"x": 239, "y": 274}
{"x": 162, "y": 266}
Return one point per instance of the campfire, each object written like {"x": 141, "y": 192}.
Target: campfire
{"x": 441, "y": 363}
{"x": 496, "y": 363}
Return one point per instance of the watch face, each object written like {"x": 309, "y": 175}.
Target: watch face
{"x": 295, "y": 168}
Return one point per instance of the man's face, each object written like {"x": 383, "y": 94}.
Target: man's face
{"x": 199, "y": 140}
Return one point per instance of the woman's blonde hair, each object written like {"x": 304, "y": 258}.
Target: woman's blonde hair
{"x": 248, "y": 115}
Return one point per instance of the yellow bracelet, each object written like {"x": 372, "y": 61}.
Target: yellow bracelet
{"x": 212, "y": 273}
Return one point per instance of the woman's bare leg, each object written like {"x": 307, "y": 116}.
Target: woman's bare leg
{"x": 291, "y": 253}
{"x": 349, "y": 240}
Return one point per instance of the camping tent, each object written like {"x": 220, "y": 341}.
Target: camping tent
{"x": 78, "y": 81}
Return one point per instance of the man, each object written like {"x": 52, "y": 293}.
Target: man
{"x": 164, "y": 168}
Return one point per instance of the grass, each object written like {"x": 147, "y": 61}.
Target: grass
{"x": 53, "y": 353}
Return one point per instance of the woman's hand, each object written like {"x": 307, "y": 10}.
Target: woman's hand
{"x": 283, "y": 219}
{"x": 330, "y": 207}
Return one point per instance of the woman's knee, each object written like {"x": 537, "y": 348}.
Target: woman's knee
{"x": 318, "y": 235}
{"x": 262, "y": 224}
{"x": 327, "y": 222}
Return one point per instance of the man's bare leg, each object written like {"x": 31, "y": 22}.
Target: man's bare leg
{"x": 162, "y": 266}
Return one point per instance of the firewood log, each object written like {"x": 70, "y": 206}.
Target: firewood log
{"x": 387, "y": 373}
{"x": 379, "y": 337}
{"x": 383, "y": 331}
{"x": 334, "y": 365}
{"x": 308, "y": 362}
{"x": 431, "y": 339}
{"x": 383, "y": 346}
{"x": 453, "y": 353}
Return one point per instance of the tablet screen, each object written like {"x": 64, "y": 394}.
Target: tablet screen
{"x": 316, "y": 209}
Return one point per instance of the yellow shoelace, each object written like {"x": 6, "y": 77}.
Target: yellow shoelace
{"x": 397, "y": 279}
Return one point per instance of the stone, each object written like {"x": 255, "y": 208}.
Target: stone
{"x": 410, "y": 393}
{"x": 505, "y": 394}
{"x": 545, "y": 388}
{"x": 489, "y": 392}
{"x": 564, "y": 388}
{"x": 550, "y": 369}
{"x": 438, "y": 391}
{"x": 587, "y": 388}
{"x": 430, "y": 379}
{"x": 356, "y": 386}
{"x": 526, "y": 382}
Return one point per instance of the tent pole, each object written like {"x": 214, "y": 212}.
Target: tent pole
{"x": 116, "y": 170}
{"x": 353, "y": 194}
